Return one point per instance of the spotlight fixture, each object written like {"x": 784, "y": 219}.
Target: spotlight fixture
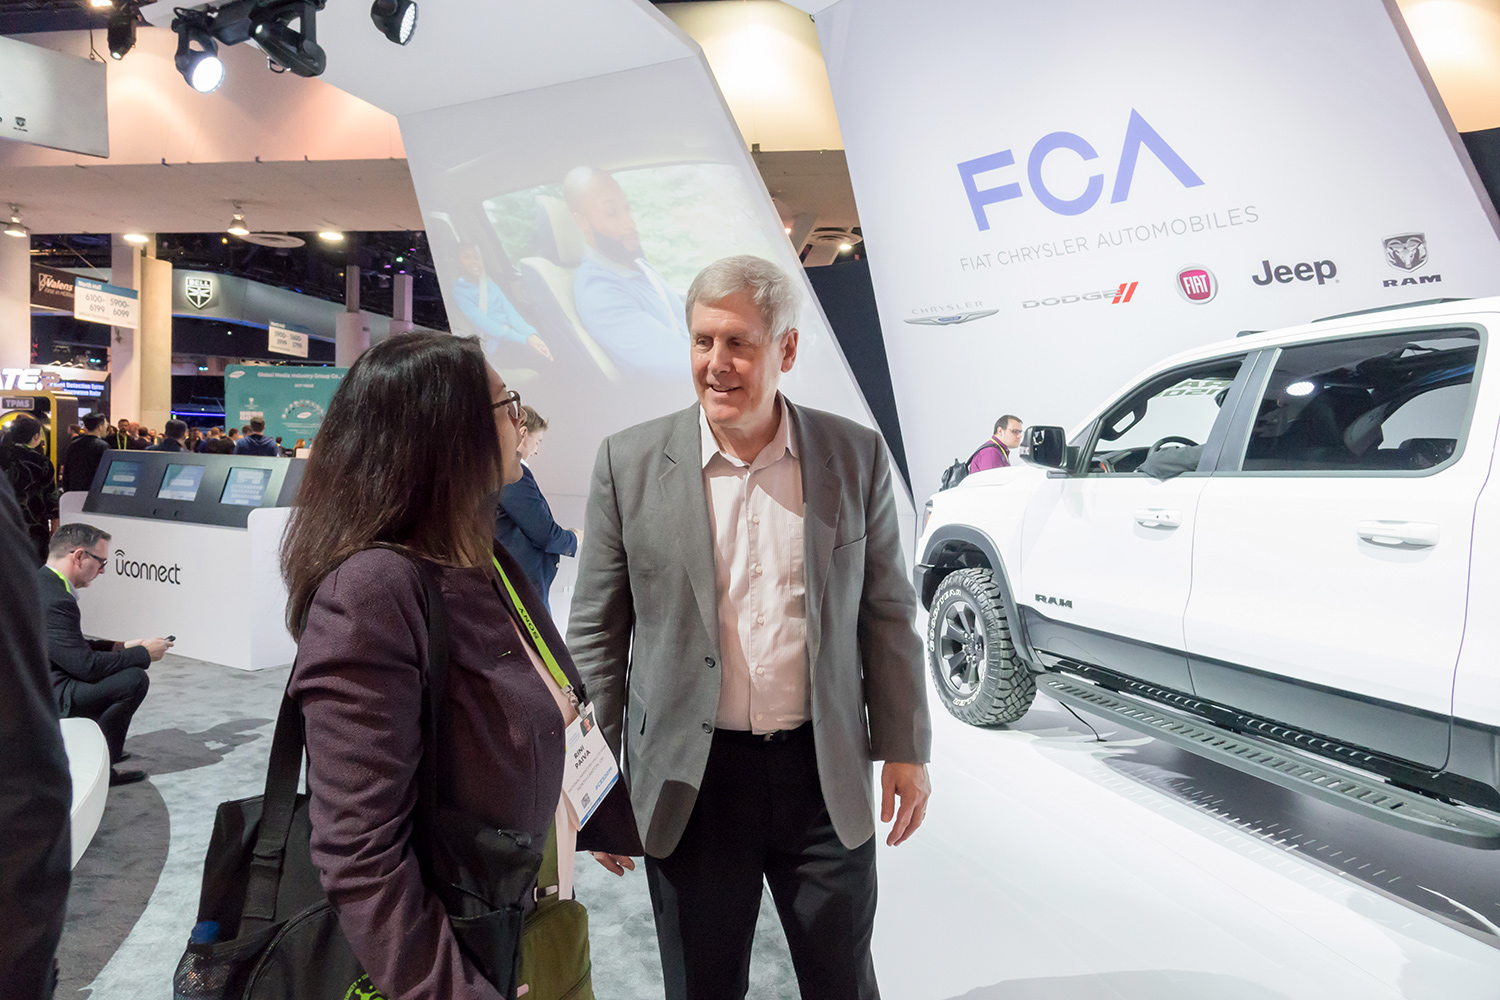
{"x": 237, "y": 225}
{"x": 136, "y": 238}
{"x": 121, "y": 33}
{"x": 396, "y": 19}
{"x": 294, "y": 49}
{"x": 201, "y": 68}
{"x": 845, "y": 247}
{"x": 331, "y": 236}
{"x": 101, "y": 4}
{"x": 14, "y": 227}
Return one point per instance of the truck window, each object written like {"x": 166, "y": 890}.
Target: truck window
{"x": 1396, "y": 403}
{"x": 1181, "y": 406}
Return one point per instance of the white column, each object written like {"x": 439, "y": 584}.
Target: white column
{"x": 124, "y": 361}
{"x": 156, "y": 342}
{"x": 351, "y": 329}
{"x": 15, "y": 301}
{"x": 401, "y": 321}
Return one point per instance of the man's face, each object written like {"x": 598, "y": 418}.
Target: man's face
{"x": 507, "y": 429}
{"x": 736, "y": 363}
{"x": 1011, "y": 435}
{"x": 604, "y": 216}
{"x": 89, "y": 563}
{"x": 470, "y": 265}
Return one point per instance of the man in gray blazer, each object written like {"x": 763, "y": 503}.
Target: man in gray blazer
{"x": 744, "y": 624}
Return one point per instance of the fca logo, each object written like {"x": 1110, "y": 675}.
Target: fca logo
{"x": 1137, "y": 134}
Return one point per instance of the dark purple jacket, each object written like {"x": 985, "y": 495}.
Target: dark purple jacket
{"x": 358, "y": 678}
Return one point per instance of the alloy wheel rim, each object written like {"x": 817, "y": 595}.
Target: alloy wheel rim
{"x": 961, "y": 649}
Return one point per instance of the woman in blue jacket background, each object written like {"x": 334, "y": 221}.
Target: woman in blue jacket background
{"x": 524, "y": 522}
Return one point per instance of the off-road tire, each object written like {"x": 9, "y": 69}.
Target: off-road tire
{"x": 980, "y": 677}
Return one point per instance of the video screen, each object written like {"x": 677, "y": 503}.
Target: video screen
{"x": 246, "y": 487}
{"x": 181, "y": 482}
{"x": 122, "y": 479}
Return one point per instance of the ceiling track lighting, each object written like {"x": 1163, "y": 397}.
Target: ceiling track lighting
{"x": 237, "y": 225}
{"x": 121, "y": 30}
{"x": 200, "y": 67}
{"x": 14, "y": 226}
{"x": 294, "y": 49}
{"x": 396, "y": 19}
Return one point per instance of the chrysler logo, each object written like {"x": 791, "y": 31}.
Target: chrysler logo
{"x": 1407, "y": 251}
{"x": 952, "y": 319}
{"x": 200, "y": 291}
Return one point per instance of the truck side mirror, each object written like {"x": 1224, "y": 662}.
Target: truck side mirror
{"x": 1048, "y": 447}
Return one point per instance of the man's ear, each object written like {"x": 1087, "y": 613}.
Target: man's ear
{"x": 788, "y": 349}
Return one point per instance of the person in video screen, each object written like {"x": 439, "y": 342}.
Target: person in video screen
{"x": 623, "y": 302}
{"x": 485, "y": 305}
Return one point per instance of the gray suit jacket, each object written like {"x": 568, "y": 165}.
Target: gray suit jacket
{"x": 644, "y": 628}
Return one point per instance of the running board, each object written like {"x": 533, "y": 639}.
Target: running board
{"x": 1322, "y": 779}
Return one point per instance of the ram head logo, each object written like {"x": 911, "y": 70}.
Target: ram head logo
{"x": 1406, "y": 252}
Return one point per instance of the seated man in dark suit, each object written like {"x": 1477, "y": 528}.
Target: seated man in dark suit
{"x": 91, "y": 679}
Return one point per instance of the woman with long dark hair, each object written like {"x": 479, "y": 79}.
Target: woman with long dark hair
{"x": 375, "y": 479}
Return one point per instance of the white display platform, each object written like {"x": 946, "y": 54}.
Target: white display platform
{"x": 217, "y": 589}
{"x": 88, "y": 763}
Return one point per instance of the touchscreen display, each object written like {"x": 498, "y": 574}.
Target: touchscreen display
{"x": 181, "y": 482}
{"x": 246, "y": 487}
{"x": 121, "y": 479}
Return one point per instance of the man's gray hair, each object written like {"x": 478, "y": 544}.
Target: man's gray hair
{"x": 75, "y": 536}
{"x": 772, "y": 289}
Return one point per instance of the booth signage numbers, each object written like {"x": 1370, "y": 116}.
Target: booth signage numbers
{"x": 281, "y": 339}
{"x": 97, "y": 302}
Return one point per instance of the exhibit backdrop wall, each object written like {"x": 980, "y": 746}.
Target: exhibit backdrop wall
{"x": 293, "y": 399}
{"x": 576, "y": 166}
{"x": 1056, "y": 196}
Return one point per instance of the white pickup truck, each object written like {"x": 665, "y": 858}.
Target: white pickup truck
{"x": 1282, "y": 552}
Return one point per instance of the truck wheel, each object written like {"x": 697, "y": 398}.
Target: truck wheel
{"x": 979, "y": 675}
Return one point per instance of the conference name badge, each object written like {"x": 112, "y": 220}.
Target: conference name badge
{"x": 590, "y": 771}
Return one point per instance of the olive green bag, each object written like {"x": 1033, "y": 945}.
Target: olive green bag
{"x": 555, "y": 962}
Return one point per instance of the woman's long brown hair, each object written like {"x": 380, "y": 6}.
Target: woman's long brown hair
{"x": 406, "y": 455}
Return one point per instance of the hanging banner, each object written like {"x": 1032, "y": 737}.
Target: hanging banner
{"x": 48, "y": 98}
{"x": 51, "y": 288}
{"x": 293, "y": 399}
{"x": 1049, "y": 212}
{"x": 97, "y": 302}
{"x": 283, "y": 339}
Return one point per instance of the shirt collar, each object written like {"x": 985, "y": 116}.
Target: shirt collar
{"x": 782, "y": 444}
{"x": 63, "y": 579}
{"x": 632, "y": 270}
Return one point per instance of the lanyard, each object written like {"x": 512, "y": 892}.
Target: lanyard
{"x": 536, "y": 638}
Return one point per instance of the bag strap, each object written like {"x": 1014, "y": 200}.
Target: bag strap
{"x": 279, "y": 800}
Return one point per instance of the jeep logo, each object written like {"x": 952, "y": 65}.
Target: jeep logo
{"x": 1285, "y": 274}
{"x": 1138, "y": 134}
{"x": 1057, "y": 602}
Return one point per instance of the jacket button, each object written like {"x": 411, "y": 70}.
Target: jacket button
{"x": 707, "y": 728}
{"x": 709, "y": 660}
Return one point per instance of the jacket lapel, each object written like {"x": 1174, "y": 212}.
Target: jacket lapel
{"x": 820, "y": 521}
{"x": 687, "y": 522}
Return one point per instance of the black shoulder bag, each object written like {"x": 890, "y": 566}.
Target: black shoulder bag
{"x": 278, "y": 937}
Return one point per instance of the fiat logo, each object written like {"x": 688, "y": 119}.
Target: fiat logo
{"x": 1197, "y": 284}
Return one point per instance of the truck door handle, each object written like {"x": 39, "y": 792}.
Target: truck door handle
{"x": 1417, "y": 533}
{"x": 1158, "y": 517}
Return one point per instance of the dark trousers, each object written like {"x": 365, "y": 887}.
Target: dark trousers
{"x": 760, "y": 815}
{"x": 111, "y": 703}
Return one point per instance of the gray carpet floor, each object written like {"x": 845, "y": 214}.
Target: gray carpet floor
{"x": 204, "y": 734}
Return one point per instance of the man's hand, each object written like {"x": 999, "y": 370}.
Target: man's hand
{"x": 156, "y": 647}
{"x": 540, "y": 346}
{"x": 910, "y": 782}
{"x": 616, "y": 863}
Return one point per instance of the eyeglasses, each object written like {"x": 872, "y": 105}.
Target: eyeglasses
{"x": 512, "y": 400}
{"x": 103, "y": 560}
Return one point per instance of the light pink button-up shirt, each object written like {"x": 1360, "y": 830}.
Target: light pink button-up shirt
{"x": 755, "y": 512}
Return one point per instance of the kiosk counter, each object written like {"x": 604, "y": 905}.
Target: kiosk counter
{"x": 194, "y": 552}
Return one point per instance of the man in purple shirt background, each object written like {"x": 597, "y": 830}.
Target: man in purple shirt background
{"x": 995, "y": 453}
